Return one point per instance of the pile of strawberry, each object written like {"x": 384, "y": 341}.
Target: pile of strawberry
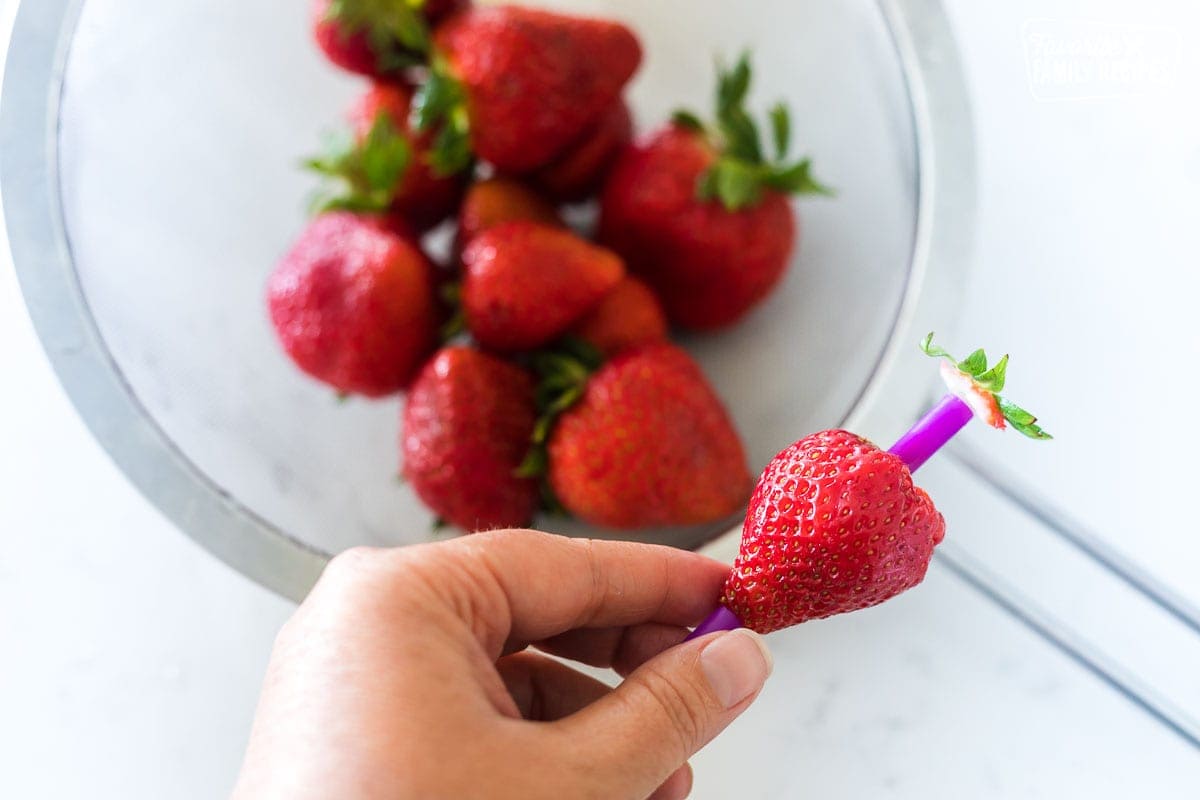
{"x": 536, "y": 359}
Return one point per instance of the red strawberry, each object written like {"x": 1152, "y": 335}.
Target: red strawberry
{"x": 380, "y": 38}
{"x": 835, "y": 525}
{"x": 491, "y": 202}
{"x": 580, "y": 172}
{"x": 467, "y": 426}
{"x": 628, "y": 316}
{"x": 353, "y": 305}
{"x": 525, "y": 283}
{"x": 519, "y": 86}
{"x": 705, "y": 218}
{"x": 648, "y": 443}
{"x": 386, "y": 168}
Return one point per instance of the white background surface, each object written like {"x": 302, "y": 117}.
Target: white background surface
{"x": 129, "y": 660}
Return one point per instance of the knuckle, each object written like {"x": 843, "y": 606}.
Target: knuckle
{"x": 351, "y": 564}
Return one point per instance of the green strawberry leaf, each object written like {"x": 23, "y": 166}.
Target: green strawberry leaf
{"x": 781, "y": 130}
{"x": 534, "y": 465}
{"x": 563, "y": 372}
{"x": 733, "y": 84}
{"x": 687, "y": 120}
{"x": 742, "y": 172}
{"x": 797, "y": 179}
{"x": 974, "y": 364}
{"x": 742, "y": 139}
{"x": 366, "y": 174}
{"x": 441, "y": 103}
{"x": 736, "y": 184}
{"x": 1021, "y": 419}
{"x": 933, "y": 350}
{"x": 582, "y": 351}
{"x": 993, "y": 379}
{"x": 434, "y": 99}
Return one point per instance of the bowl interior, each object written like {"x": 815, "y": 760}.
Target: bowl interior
{"x": 181, "y": 129}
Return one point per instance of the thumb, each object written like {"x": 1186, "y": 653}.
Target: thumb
{"x": 669, "y": 708}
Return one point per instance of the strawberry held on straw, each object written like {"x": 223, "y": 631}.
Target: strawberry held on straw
{"x": 837, "y": 524}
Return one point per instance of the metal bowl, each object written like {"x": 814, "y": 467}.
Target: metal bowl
{"x": 149, "y": 156}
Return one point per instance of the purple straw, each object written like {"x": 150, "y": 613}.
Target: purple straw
{"x": 914, "y": 448}
{"x": 936, "y": 428}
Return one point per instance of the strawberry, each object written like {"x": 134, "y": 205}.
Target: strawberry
{"x": 647, "y": 443}
{"x": 525, "y": 283}
{"x": 628, "y": 316}
{"x": 353, "y": 304}
{"x": 467, "y": 426}
{"x": 519, "y": 87}
{"x": 703, "y": 216}
{"x": 835, "y": 525}
{"x": 379, "y": 38}
{"x": 491, "y": 202}
{"x": 580, "y": 172}
{"x": 386, "y": 166}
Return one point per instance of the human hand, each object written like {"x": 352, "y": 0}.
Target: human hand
{"x": 406, "y": 674}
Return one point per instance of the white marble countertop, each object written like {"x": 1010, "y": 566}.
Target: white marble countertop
{"x": 130, "y": 660}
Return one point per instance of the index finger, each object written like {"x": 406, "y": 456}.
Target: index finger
{"x": 530, "y": 586}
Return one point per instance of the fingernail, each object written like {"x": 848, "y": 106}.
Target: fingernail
{"x": 736, "y": 665}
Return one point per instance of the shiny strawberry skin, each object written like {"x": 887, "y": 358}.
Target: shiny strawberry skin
{"x": 581, "y": 171}
{"x": 467, "y": 425}
{"x": 629, "y": 316}
{"x": 497, "y": 200}
{"x": 423, "y": 197}
{"x": 353, "y": 305}
{"x": 835, "y": 525}
{"x": 535, "y": 81}
{"x": 525, "y": 284}
{"x": 708, "y": 265}
{"x": 649, "y": 443}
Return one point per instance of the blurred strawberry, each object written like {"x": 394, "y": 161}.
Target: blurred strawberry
{"x": 467, "y": 427}
{"x": 379, "y": 38}
{"x": 353, "y": 304}
{"x": 648, "y": 442}
{"x": 580, "y": 172}
{"x": 702, "y": 215}
{"x": 525, "y": 283}
{"x": 627, "y": 317}
{"x": 518, "y": 86}
{"x": 491, "y": 202}
{"x": 386, "y": 168}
